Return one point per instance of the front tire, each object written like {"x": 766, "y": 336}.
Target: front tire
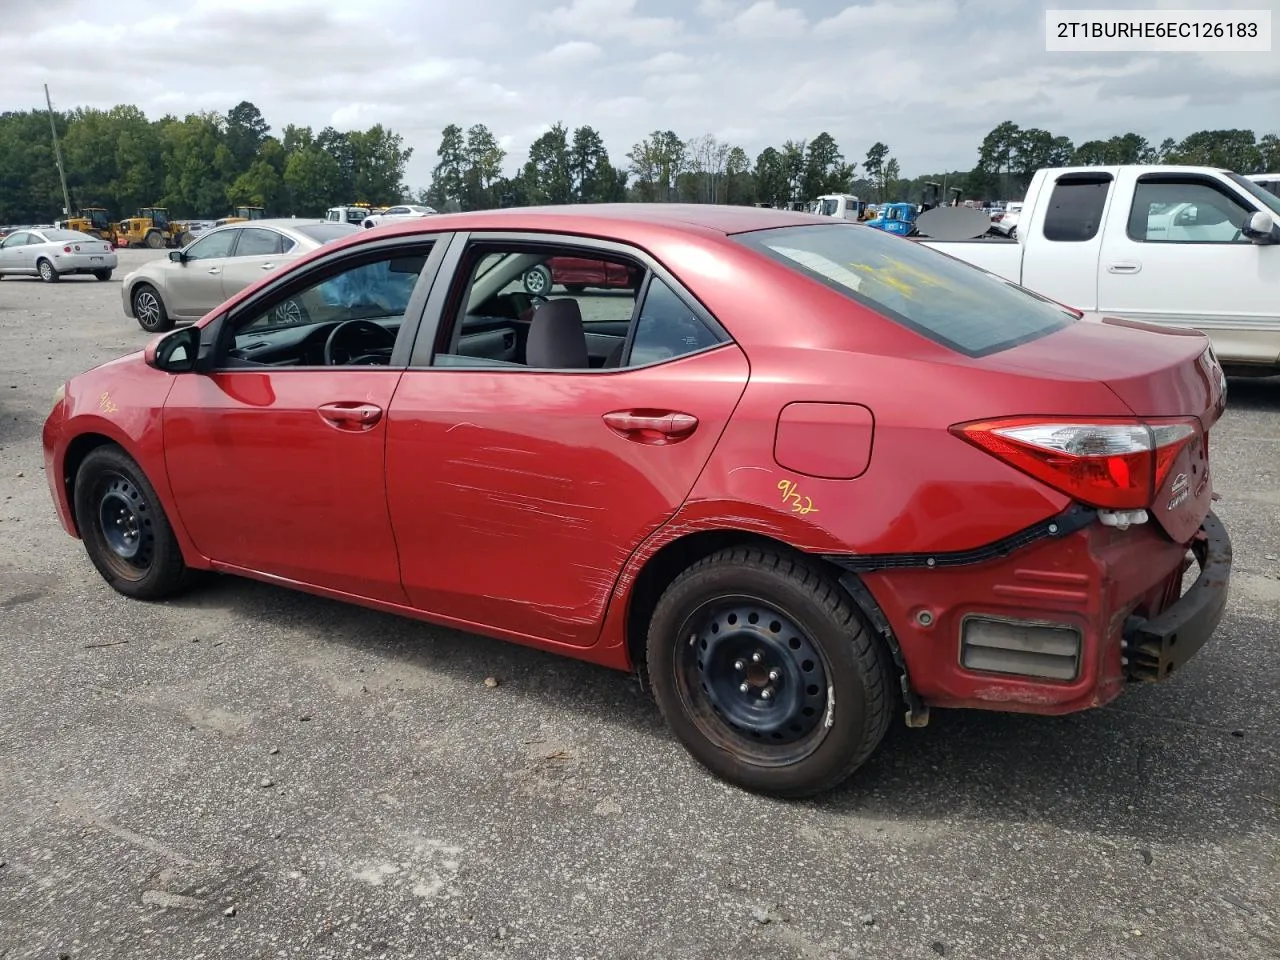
{"x": 149, "y": 311}
{"x": 154, "y": 240}
{"x": 124, "y": 527}
{"x": 537, "y": 281}
{"x": 767, "y": 673}
{"x": 47, "y": 273}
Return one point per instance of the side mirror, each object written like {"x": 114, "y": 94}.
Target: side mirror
{"x": 174, "y": 352}
{"x": 177, "y": 256}
{"x": 1261, "y": 228}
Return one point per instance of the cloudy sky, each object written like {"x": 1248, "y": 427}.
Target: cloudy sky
{"x": 928, "y": 77}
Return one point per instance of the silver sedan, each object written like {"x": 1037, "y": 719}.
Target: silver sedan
{"x": 222, "y": 262}
{"x": 52, "y": 254}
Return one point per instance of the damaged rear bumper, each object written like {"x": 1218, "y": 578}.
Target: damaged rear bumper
{"x": 1156, "y": 647}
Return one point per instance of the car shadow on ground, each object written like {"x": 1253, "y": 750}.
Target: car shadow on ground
{"x": 1110, "y": 771}
{"x": 1254, "y": 393}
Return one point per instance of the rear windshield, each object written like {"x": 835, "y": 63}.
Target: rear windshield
{"x": 950, "y": 302}
{"x": 66, "y": 235}
{"x": 327, "y": 232}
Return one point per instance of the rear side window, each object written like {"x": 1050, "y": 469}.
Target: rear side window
{"x": 327, "y": 232}
{"x": 950, "y": 302}
{"x": 1075, "y": 208}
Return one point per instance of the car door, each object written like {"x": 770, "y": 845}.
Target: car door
{"x": 275, "y": 459}
{"x": 194, "y": 284}
{"x": 12, "y": 249}
{"x": 517, "y": 492}
{"x": 1177, "y": 256}
{"x": 257, "y": 252}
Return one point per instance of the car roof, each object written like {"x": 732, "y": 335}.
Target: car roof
{"x": 606, "y": 217}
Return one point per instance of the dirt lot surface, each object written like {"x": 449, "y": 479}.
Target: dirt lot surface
{"x": 252, "y": 773}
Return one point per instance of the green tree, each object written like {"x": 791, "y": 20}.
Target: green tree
{"x": 824, "y": 168}
{"x": 1235, "y": 150}
{"x": 246, "y": 131}
{"x": 546, "y": 174}
{"x": 771, "y": 178}
{"x": 739, "y": 187}
{"x": 483, "y": 157}
{"x": 874, "y": 167}
{"x": 447, "y": 184}
{"x": 313, "y": 178}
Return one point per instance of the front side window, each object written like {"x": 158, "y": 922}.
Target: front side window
{"x": 950, "y": 302}
{"x": 212, "y": 246}
{"x": 1185, "y": 211}
{"x": 348, "y": 318}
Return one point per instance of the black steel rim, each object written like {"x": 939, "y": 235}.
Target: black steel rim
{"x": 124, "y": 523}
{"x": 754, "y": 681}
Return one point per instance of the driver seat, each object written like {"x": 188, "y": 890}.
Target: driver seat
{"x": 557, "y": 338}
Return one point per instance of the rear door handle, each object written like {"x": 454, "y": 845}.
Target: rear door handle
{"x": 350, "y": 415}
{"x": 651, "y": 426}
{"x": 1124, "y": 266}
{"x": 268, "y": 266}
{"x": 215, "y": 270}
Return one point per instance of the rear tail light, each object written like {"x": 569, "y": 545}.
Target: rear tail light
{"x": 1113, "y": 464}
{"x": 66, "y": 249}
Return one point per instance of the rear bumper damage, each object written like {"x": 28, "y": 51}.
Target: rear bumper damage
{"x": 1059, "y": 622}
{"x": 1158, "y": 645}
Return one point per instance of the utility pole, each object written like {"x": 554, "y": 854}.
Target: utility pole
{"x": 57, "y": 153}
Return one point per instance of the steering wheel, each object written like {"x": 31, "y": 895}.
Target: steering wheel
{"x": 337, "y": 351}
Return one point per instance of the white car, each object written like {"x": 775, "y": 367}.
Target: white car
{"x": 404, "y": 211}
{"x": 51, "y": 254}
{"x": 1008, "y": 220}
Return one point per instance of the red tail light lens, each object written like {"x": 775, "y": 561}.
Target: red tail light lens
{"x": 1114, "y": 464}
{"x": 66, "y": 249}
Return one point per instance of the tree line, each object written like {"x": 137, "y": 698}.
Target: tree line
{"x": 202, "y": 165}
{"x": 205, "y": 164}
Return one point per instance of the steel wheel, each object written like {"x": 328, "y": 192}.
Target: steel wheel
{"x": 753, "y": 680}
{"x": 124, "y": 523}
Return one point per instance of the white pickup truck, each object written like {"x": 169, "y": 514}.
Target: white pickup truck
{"x": 1180, "y": 246}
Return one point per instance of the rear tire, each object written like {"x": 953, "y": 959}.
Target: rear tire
{"x": 125, "y": 530}
{"x": 47, "y": 273}
{"x": 154, "y": 240}
{"x": 575, "y": 288}
{"x": 148, "y": 309}
{"x": 103, "y": 275}
{"x": 747, "y": 620}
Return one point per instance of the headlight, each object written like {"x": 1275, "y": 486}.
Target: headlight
{"x": 60, "y": 394}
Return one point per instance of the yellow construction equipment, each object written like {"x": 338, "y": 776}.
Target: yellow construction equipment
{"x": 93, "y": 221}
{"x": 242, "y": 214}
{"x": 151, "y": 227}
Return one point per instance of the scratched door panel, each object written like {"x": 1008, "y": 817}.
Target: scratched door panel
{"x": 515, "y": 505}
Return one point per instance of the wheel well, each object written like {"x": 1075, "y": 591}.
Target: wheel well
{"x": 676, "y": 557}
{"x": 77, "y": 450}
{"x": 668, "y": 563}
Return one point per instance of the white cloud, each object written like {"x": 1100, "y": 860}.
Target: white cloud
{"x": 572, "y": 53}
{"x": 766, "y": 20}
{"x": 628, "y": 67}
{"x": 610, "y": 20}
{"x": 857, "y": 19}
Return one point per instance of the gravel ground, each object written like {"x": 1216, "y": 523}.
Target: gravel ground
{"x": 258, "y": 773}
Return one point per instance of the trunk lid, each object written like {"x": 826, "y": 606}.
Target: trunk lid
{"x": 1159, "y": 374}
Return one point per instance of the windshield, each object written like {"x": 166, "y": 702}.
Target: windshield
{"x": 1269, "y": 200}
{"x": 327, "y": 232}
{"x": 950, "y": 302}
{"x": 829, "y": 207}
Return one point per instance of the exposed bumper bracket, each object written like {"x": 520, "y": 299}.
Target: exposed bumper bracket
{"x": 1157, "y": 646}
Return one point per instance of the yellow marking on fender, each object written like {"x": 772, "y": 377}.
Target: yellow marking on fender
{"x": 106, "y": 404}
{"x": 799, "y": 504}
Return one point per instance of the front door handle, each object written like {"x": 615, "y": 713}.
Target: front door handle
{"x": 1124, "y": 266}
{"x": 651, "y": 426}
{"x": 350, "y": 415}
{"x": 268, "y": 266}
{"x": 215, "y": 270}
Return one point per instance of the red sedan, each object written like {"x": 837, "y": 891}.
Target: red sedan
{"x": 807, "y": 475}
{"x": 575, "y": 274}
